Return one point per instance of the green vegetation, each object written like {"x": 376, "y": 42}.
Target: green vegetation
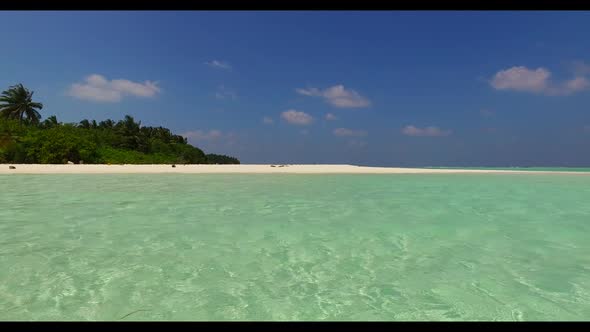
{"x": 24, "y": 138}
{"x": 17, "y": 103}
{"x": 221, "y": 159}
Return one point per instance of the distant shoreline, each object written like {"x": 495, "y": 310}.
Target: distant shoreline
{"x": 247, "y": 169}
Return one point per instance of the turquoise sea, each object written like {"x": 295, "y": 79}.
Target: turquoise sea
{"x": 542, "y": 169}
{"x": 295, "y": 247}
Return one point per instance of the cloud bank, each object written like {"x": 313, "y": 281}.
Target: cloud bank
{"x": 99, "y": 89}
{"x": 337, "y": 96}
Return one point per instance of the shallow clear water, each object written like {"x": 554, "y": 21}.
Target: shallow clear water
{"x": 295, "y": 247}
{"x": 543, "y": 169}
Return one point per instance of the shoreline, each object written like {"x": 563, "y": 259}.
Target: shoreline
{"x": 245, "y": 169}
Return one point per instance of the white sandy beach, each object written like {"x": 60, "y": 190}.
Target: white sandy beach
{"x": 243, "y": 169}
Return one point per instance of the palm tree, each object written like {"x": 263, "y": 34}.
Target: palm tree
{"x": 50, "y": 122}
{"x": 107, "y": 124}
{"x": 17, "y": 103}
{"x": 129, "y": 126}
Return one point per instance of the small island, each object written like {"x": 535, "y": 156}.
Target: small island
{"x": 25, "y": 139}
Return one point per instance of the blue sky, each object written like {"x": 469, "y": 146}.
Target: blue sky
{"x": 402, "y": 88}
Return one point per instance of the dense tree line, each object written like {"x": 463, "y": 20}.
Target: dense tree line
{"x": 24, "y": 138}
{"x": 221, "y": 159}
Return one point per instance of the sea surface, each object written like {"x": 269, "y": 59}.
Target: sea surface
{"x": 541, "y": 169}
{"x": 390, "y": 247}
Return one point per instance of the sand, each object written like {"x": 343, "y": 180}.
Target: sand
{"x": 244, "y": 169}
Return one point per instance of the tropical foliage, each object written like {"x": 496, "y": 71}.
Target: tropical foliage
{"x": 24, "y": 138}
{"x": 221, "y": 159}
{"x": 17, "y": 103}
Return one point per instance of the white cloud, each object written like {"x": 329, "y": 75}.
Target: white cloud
{"x": 427, "y": 131}
{"x": 521, "y": 79}
{"x": 98, "y": 88}
{"x": 312, "y": 92}
{"x": 574, "y": 85}
{"x": 538, "y": 81}
{"x": 267, "y": 120}
{"x": 224, "y": 93}
{"x": 345, "y": 132}
{"x": 219, "y": 64}
{"x": 337, "y": 96}
{"x": 297, "y": 117}
{"x": 331, "y": 117}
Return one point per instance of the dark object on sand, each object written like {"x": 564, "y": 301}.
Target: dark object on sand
{"x": 11, "y": 167}
{"x": 173, "y": 166}
{"x": 272, "y": 166}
